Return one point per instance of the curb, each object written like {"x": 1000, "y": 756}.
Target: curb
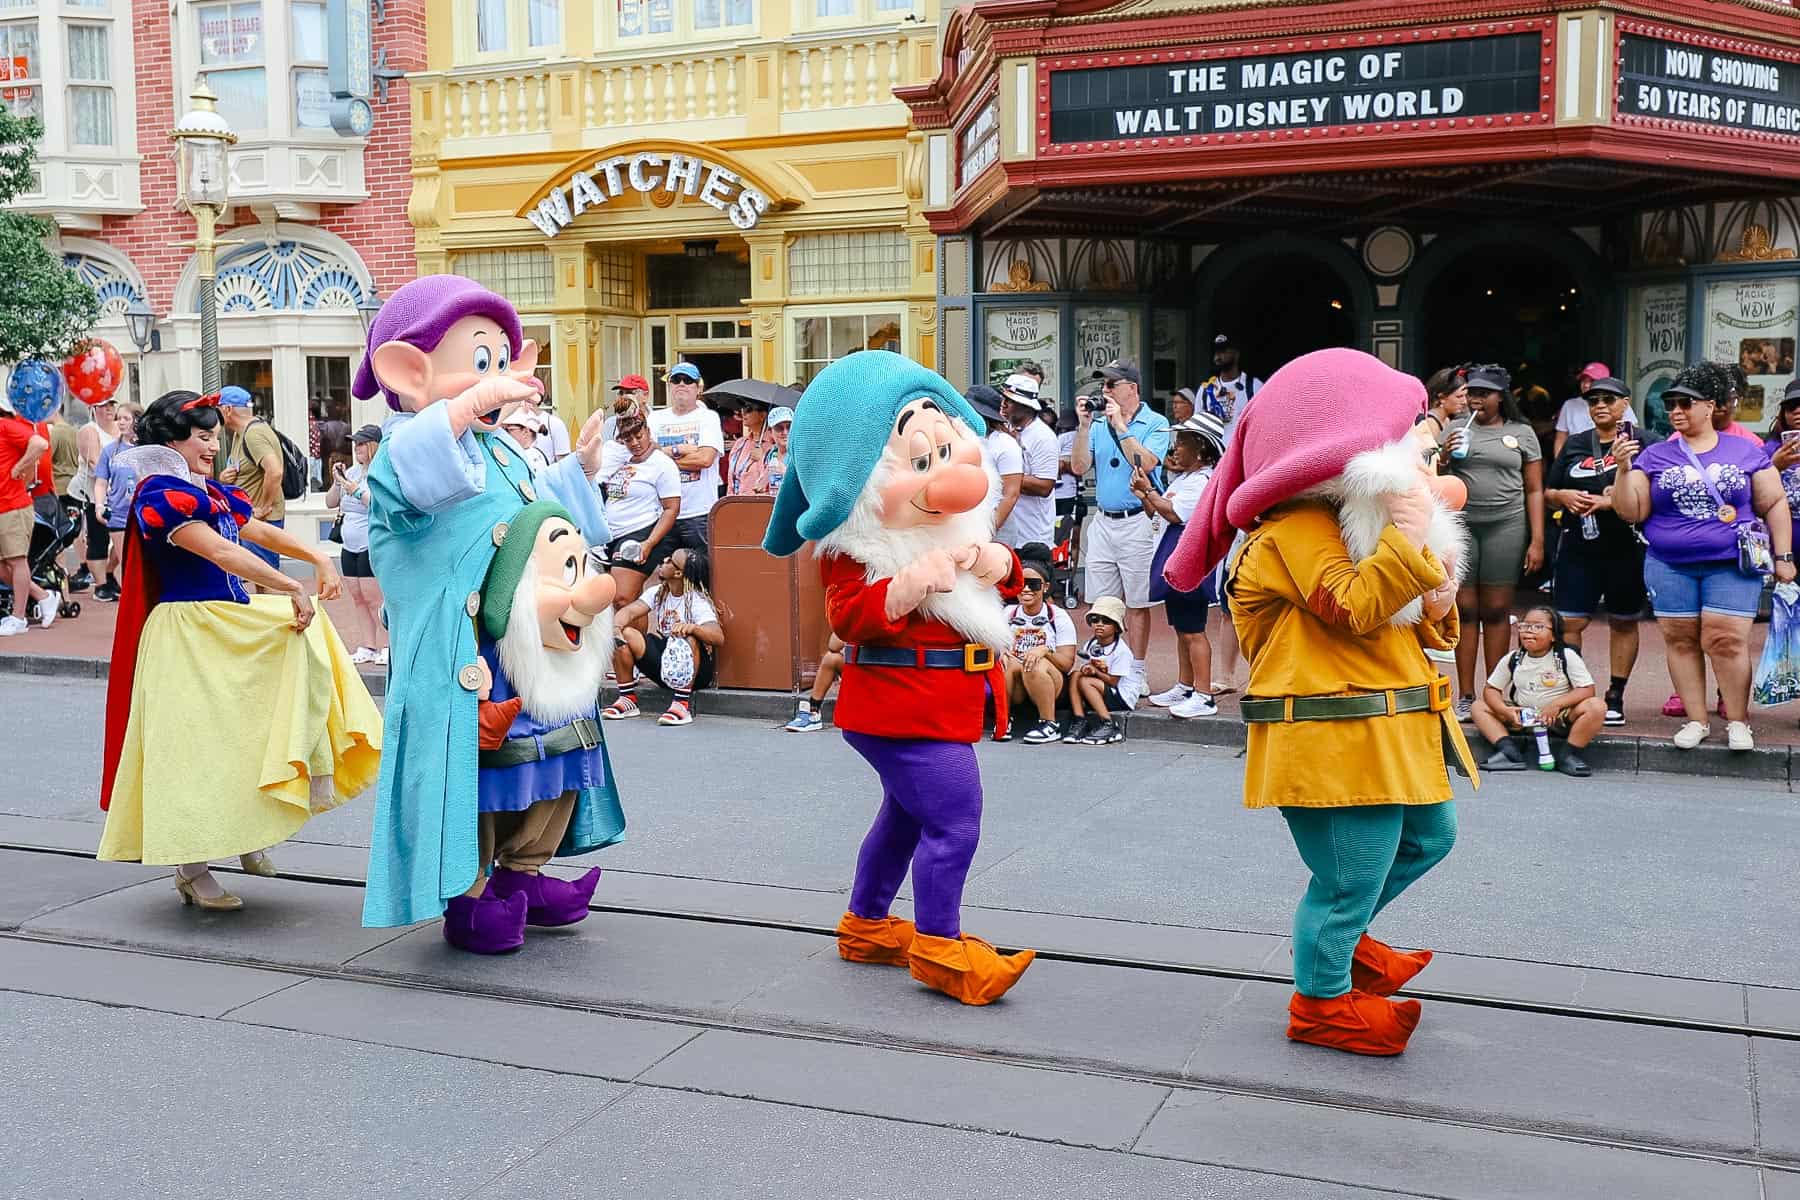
{"x": 1622, "y": 755}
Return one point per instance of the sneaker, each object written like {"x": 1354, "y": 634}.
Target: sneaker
{"x": 1044, "y": 733}
{"x": 1506, "y": 757}
{"x": 1105, "y": 734}
{"x": 381, "y": 658}
{"x": 1738, "y": 736}
{"x": 11, "y": 625}
{"x": 620, "y": 709}
{"x": 1572, "y": 764}
{"x": 1171, "y": 697}
{"x": 48, "y": 608}
{"x": 1615, "y": 709}
{"x": 680, "y": 713}
{"x": 1464, "y": 707}
{"x": 81, "y": 580}
{"x": 1005, "y": 736}
{"x": 107, "y": 593}
{"x": 1078, "y": 729}
{"x": 1692, "y": 734}
{"x": 1673, "y": 707}
{"x": 805, "y": 722}
{"x": 361, "y": 655}
{"x": 1198, "y": 704}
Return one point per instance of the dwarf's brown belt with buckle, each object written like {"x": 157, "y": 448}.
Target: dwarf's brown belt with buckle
{"x": 971, "y": 657}
{"x": 1428, "y": 697}
{"x": 583, "y": 733}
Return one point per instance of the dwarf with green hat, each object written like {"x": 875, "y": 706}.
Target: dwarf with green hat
{"x": 544, "y": 633}
{"x": 886, "y": 473}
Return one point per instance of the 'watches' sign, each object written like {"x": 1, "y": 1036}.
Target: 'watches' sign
{"x": 1678, "y": 82}
{"x": 1447, "y": 78}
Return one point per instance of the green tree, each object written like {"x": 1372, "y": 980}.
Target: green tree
{"x": 45, "y": 309}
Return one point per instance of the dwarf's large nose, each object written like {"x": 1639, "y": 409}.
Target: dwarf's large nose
{"x": 593, "y": 595}
{"x": 956, "y": 488}
{"x": 1451, "y": 490}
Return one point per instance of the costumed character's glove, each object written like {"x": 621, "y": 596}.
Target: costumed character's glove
{"x": 489, "y": 396}
{"x": 990, "y": 563}
{"x": 933, "y": 571}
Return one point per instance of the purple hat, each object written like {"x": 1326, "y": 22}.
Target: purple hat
{"x": 421, "y": 313}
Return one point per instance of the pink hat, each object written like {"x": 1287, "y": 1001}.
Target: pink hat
{"x": 1596, "y": 370}
{"x": 1302, "y": 428}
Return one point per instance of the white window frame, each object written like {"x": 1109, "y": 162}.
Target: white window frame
{"x": 109, "y": 85}
{"x": 296, "y": 65}
{"x": 794, "y": 313}
{"x": 518, "y": 46}
{"x": 683, "y": 32}
{"x": 34, "y": 82}
{"x": 277, "y": 100}
{"x": 862, "y": 12}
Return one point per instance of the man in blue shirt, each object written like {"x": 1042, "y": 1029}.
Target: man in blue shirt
{"x": 1121, "y": 541}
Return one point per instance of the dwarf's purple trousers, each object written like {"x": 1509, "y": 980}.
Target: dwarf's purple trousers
{"x": 930, "y": 819}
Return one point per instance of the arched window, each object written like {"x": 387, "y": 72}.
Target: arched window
{"x": 286, "y": 275}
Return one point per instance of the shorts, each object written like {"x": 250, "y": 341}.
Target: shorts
{"x": 1497, "y": 549}
{"x": 1689, "y": 589}
{"x": 1118, "y": 551}
{"x": 1065, "y": 506}
{"x": 15, "y": 532}
{"x": 659, "y": 553}
{"x": 354, "y": 564}
{"x": 268, "y": 556}
{"x": 1590, "y": 581}
{"x": 1187, "y": 611}
{"x": 651, "y": 663}
{"x": 689, "y": 534}
{"x": 98, "y": 544}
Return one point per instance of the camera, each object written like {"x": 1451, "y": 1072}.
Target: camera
{"x": 1094, "y": 404}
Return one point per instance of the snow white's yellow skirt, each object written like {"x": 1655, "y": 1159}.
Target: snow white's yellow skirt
{"x": 240, "y": 730}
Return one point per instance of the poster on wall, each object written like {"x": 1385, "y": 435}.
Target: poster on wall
{"x": 1657, "y": 344}
{"x": 1016, "y": 336}
{"x": 1752, "y": 322}
{"x": 1103, "y": 335}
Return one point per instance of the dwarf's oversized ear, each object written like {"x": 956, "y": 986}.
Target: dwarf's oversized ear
{"x": 405, "y": 370}
{"x": 526, "y": 362}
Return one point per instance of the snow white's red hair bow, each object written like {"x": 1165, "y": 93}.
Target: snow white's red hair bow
{"x": 210, "y": 400}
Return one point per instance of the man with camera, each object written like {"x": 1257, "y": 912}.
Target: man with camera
{"x": 1128, "y": 435}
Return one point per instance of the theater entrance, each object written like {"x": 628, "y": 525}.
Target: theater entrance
{"x": 1278, "y": 307}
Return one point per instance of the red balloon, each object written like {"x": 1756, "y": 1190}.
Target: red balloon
{"x": 94, "y": 372}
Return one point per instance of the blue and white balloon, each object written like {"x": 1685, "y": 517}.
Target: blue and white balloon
{"x": 35, "y": 389}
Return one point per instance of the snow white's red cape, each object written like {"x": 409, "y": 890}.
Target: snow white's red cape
{"x": 139, "y": 590}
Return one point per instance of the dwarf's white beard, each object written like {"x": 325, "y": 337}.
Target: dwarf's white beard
{"x": 555, "y": 686}
{"x": 971, "y": 608}
{"x": 1361, "y": 494}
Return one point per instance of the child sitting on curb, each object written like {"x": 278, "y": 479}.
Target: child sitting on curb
{"x": 1103, "y": 683}
{"x": 1545, "y": 675}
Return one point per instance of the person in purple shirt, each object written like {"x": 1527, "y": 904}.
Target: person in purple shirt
{"x": 1691, "y": 493}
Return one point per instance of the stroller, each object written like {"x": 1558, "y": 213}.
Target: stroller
{"x": 53, "y": 530}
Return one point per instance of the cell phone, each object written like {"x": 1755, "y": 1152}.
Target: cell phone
{"x": 1790, "y": 436}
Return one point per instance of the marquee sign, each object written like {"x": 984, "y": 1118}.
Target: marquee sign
{"x": 647, "y": 171}
{"x": 1736, "y": 88}
{"x": 1398, "y": 80}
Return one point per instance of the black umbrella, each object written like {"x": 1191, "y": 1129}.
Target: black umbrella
{"x": 734, "y": 392}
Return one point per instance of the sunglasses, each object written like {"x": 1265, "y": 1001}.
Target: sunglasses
{"x": 1099, "y": 621}
{"x": 1594, "y": 398}
{"x": 1683, "y": 402}
{"x": 1032, "y": 584}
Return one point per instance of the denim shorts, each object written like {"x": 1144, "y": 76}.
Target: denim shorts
{"x": 1688, "y": 589}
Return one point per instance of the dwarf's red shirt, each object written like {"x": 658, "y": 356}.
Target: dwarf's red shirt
{"x": 938, "y": 703}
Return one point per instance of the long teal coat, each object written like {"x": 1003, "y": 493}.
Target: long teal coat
{"x": 436, "y": 502}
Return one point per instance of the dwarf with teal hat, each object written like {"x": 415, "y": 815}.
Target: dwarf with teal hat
{"x": 544, "y": 631}
{"x": 886, "y": 473}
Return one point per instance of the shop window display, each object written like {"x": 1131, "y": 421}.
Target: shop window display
{"x": 820, "y": 340}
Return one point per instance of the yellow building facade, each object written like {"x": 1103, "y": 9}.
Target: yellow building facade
{"x": 726, "y": 182}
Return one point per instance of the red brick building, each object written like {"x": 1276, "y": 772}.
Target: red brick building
{"x": 319, "y": 218}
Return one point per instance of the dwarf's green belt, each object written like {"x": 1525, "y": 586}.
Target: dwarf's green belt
{"x": 1261, "y": 709}
{"x": 583, "y": 733}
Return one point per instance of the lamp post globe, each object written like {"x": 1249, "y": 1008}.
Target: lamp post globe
{"x": 203, "y": 172}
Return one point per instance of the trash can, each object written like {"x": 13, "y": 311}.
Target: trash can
{"x": 772, "y": 609}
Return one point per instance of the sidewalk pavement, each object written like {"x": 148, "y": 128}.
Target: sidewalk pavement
{"x": 1642, "y": 743}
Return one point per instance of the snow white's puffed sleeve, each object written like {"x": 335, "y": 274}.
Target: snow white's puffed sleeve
{"x": 434, "y": 468}
{"x": 566, "y": 481}
{"x": 164, "y": 504}
{"x": 231, "y": 498}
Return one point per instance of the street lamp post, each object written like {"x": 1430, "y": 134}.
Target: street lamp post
{"x": 140, "y": 321}
{"x": 201, "y": 139}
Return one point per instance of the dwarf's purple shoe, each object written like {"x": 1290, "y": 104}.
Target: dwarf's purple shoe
{"x": 551, "y": 901}
{"x": 488, "y": 924}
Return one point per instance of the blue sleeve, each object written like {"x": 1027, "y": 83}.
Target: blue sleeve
{"x": 567, "y": 481}
{"x": 1156, "y": 441}
{"x": 103, "y": 465}
{"x": 434, "y": 469}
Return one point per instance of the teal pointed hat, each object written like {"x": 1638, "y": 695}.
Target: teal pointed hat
{"x": 839, "y": 432}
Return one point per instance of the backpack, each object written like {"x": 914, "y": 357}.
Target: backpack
{"x": 294, "y": 468}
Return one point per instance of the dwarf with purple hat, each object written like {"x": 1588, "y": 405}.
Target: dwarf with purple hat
{"x": 1346, "y": 574}
{"x": 448, "y": 355}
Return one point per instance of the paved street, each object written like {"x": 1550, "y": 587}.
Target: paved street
{"x": 1615, "y": 1009}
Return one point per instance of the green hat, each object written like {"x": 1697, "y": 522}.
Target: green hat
{"x": 508, "y": 567}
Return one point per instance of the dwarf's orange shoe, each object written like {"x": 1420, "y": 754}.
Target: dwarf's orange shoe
{"x": 966, "y": 968}
{"x": 885, "y": 941}
{"x": 1356, "y": 1022}
{"x": 1381, "y": 970}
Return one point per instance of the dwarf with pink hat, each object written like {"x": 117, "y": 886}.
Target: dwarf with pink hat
{"x": 1347, "y": 573}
